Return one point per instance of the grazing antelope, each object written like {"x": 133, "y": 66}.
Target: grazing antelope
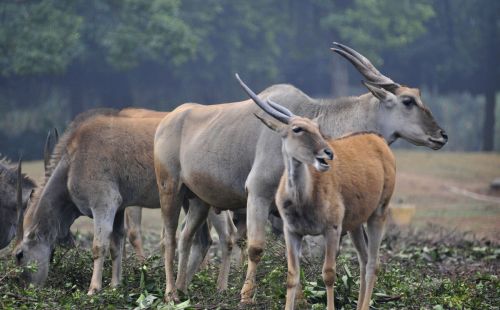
{"x": 316, "y": 199}
{"x": 101, "y": 165}
{"x": 15, "y": 190}
{"x": 220, "y": 156}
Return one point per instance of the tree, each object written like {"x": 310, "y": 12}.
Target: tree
{"x": 373, "y": 27}
{"x": 80, "y": 44}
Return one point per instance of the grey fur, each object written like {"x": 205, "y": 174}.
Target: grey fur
{"x": 8, "y": 203}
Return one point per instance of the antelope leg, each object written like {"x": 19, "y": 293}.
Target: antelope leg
{"x": 116, "y": 247}
{"x": 196, "y": 216}
{"x": 293, "y": 245}
{"x": 358, "y": 239}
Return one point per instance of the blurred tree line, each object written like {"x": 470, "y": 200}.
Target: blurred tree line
{"x": 59, "y": 58}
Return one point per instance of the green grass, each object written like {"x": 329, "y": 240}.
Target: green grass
{"x": 421, "y": 269}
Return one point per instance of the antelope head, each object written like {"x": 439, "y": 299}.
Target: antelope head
{"x": 302, "y": 138}
{"x": 402, "y": 112}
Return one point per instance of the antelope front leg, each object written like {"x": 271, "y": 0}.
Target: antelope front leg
{"x": 358, "y": 239}
{"x": 375, "y": 229}
{"x": 196, "y": 216}
{"x": 116, "y": 249}
{"x": 293, "y": 244}
{"x": 104, "y": 215}
{"x": 332, "y": 239}
{"x": 257, "y": 212}
{"x": 171, "y": 203}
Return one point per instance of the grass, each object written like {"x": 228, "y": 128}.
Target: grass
{"x": 435, "y": 269}
{"x": 452, "y": 264}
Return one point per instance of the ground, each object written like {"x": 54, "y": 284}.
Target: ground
{"x": 447, "y": 258}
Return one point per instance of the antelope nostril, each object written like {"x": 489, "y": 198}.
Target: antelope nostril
{"x": 443, "y": 133}
{"x": 329, "y": 153}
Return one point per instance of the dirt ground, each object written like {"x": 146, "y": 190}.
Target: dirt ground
{"x": 447, "y": 189}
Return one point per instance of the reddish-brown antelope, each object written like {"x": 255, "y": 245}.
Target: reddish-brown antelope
{"x": 317, "y": 197}
{"x": 221, "y": 156}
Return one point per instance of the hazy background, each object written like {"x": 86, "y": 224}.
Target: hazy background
{"x": 59, "y": 58}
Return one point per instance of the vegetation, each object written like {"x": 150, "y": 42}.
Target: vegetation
{"x": 61, "y": 58}
{"x": 430, "y": 268}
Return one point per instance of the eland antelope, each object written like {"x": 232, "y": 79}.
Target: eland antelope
{"x": 102, "y": 164}
{"x": 220, "y": 156}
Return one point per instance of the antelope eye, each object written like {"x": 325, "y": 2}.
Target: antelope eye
{"x": 297, "y": 129}
{"x": 408, "y": 102}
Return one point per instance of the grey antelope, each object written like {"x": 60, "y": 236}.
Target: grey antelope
{"x": 15, "y": 190}
{"x": 313, "y": 199}
{"x": 133, "y": 215}
{"x": 102, "y": 164}
{"x": 219, "y": 155}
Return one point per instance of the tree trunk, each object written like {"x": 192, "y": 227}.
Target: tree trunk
{"x": 489, "y": 121}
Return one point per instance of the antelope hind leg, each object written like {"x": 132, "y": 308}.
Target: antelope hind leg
{"x": 358, "y": 239}
{"x": 375, "y": 231}
{"x": 133, "y": 217}
{"x": 116, "y": 248}
{"x": 199, "y": 250}
{"x": 196, "y": 216}
{"x": 257, "y": 213}
{"x": 223, "y": 224}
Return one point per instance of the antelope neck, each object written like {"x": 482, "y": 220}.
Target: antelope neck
{"x": 298, "y": 180}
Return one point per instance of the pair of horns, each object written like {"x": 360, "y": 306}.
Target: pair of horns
{"x": 277, "y": 111}
{"x": 364, "y": 66}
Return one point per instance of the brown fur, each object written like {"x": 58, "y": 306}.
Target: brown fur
{"x": 355, "y": 190}
{"x": 102, "y": 164}
{"x": 362, "y": 174}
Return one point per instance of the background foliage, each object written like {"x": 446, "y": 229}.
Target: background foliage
{"x": 59, "y": 58}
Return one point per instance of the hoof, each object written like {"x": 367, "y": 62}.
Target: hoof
{"x": 93, "y": 291}
{"x": 172, "y": 296}
{"x": 246, "y": 304}
{"x": 247, "y": 294}
{"x": 221, "y": 287}
{"x": 246, "y": 301}
{"x": 115, "y": 285}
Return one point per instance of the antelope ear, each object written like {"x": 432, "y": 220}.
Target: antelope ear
{"x": 377, "y": 91}
{"x": 274, "y": 126}
{"x": 380, "y": 93}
